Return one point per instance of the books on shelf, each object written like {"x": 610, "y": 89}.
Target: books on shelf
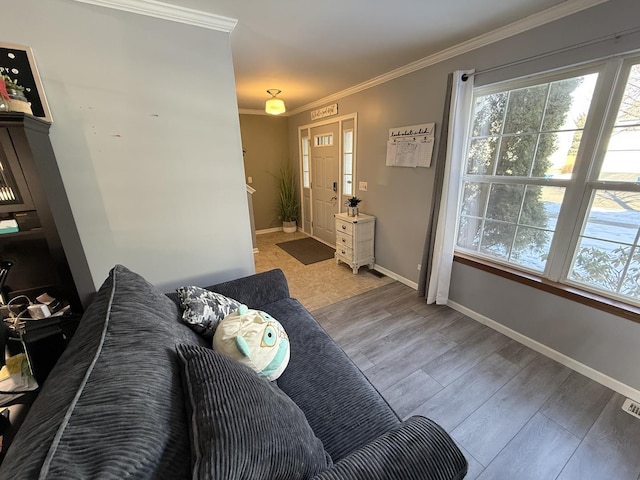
{"x": 8, "y": 226}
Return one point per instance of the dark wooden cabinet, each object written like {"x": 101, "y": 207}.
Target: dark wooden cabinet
{"x": 46, "y": 253}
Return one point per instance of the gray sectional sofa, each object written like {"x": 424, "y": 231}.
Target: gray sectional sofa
{"x": 138, "y": 394}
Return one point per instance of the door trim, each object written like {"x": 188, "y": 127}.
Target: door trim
{"x": 340, "y": 121}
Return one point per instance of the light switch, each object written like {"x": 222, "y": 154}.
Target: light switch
{"x": 362, "y": 186}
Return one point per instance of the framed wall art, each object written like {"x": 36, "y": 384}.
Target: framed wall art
{"x": 17, "y": 62}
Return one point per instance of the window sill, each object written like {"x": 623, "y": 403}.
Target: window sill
{"x": 583, "y": 297}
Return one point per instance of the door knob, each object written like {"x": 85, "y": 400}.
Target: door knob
{"x": 333, "y": 198}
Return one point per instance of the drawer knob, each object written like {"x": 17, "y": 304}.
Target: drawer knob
{"x": 344, "y": 227}
{"x": 344, "y": 240}
{"x": 343, "y": 252}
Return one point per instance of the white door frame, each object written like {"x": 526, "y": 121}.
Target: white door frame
{"x": 340, "y": 120}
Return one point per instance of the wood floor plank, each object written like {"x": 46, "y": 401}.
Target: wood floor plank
{"x": 354, "y": 330}
{"x": 518, "y": 353}
{"x": 464, "y": 356}
{"x": 413, "y": 390}
{"x": 577, "y": 404}
{"x": 403, "y": 301}
{"x": 395, "y": 327}
{"x": 492, "y": 426}
{"x": 340, "y": 310}
{"x": 539, "y": 451}
{"x": 414, "y": 329}
{"x": 398, "y": 363}
{"x": 611, "y": 449}
{"x": 360, "y": 359}
{"x": 457, "y": 401}
{"x": 462, "y": 328}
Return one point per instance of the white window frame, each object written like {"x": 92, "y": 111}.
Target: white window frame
{"x": 305, "y": 148}
{"x": 584, "y": 181}
{"x": 348, "y": 176}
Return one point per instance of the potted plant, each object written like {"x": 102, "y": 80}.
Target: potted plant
{"x": 288, "y": 207}
{"x": 352, "y": 206}
{"x": 13, "y": 96}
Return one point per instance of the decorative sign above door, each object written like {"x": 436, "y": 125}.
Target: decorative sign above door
{"x": 323, "y": 112}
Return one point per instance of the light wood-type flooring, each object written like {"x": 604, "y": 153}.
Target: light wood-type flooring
{"x": 515, "y": 414}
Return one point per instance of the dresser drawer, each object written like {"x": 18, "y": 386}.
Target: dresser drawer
{"x": 343, "y": 240}
{"x": 344, "y": 252}
{"x": 344, "y": 227}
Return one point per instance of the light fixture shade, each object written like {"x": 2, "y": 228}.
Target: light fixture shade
{"x": 274, "y": 106}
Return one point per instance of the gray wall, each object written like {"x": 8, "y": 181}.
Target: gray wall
{"x": 265, "y": 137}
{"x": 147, "y": 138}
{"x": 400, "y": 198}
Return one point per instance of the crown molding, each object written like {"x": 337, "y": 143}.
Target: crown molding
{"x": 165, "y": 11}
{"x": 569, "y": 7}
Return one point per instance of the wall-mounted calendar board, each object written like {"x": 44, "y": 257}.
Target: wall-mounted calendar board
{"x": 411, "y": 146}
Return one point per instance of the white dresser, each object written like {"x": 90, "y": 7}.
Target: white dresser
{"x": 354, "y": 240}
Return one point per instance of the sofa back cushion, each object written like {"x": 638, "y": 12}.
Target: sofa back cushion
{"x": 113, "y": 405}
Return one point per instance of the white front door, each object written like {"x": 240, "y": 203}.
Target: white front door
{"x": 325, "y": 156}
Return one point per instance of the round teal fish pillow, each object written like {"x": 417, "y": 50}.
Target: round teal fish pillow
{"x": 254, "y": 338}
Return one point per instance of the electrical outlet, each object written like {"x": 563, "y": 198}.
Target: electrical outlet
{"x": 362, "y": 186}
{"x": 419, "y": 267}
{"x": 249, "y": 179}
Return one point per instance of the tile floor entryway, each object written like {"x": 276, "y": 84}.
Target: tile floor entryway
{"x": 316, "y": 285}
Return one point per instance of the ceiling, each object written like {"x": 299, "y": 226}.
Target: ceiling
{"x": 314, "y": 49}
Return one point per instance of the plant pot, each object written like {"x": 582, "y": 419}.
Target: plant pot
{"x": 18, "y": 102}
{"x": 352, "y": 211}
{"x": 289, "y": 227}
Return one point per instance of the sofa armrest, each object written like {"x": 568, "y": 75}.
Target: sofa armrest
{"x": 255, "y": 290}
{"x": 417, "y": 449}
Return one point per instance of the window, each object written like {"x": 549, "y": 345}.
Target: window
{"x": 306, "y": 178}
{"x": 347, "y": 163}
{"x": 325, "y": 140}
{"x": 551, "y": 184}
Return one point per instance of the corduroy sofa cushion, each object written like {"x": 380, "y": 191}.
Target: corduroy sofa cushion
{"x": 113, "y": 406}
{"x": 242, "y": 427}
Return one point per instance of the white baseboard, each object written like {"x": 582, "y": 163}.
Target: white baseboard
{"x": 395, "y": 276}
{"x": 268, "y": 230}
{"x": 559, "y": 357}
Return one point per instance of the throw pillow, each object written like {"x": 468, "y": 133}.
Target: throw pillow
{"x": 203, "y": 309}
{"x": 254, "y": 338}
{"x": 242, "y": 427}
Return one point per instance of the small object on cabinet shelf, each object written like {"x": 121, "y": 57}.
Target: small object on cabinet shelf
{"x": 8, "y": 226}
{"x": 352, "y": 206}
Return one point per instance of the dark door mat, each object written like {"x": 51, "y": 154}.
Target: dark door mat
{"x": 307, "y": 250}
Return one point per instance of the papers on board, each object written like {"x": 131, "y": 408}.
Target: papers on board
{"x": 410, "y": 146}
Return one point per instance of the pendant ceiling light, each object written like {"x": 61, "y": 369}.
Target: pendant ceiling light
{"x": 274, "y": 106}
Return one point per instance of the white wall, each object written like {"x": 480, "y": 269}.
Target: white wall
{"x": 400, "y": 198}
{"x": 147, "y": 138}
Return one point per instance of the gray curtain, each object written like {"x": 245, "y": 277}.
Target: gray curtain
{"x": 436, "y": 194}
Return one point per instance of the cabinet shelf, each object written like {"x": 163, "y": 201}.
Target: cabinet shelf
{"x": 36, "y": 232}
{"x": 44, "y": 251}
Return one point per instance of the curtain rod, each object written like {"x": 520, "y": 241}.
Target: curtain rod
{"x": 615, "y": 37}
